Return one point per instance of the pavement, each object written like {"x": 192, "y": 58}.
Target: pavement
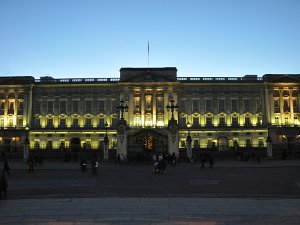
{"x": 176, "y": 210}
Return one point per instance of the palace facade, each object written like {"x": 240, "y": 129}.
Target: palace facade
{"x": 149, "y": 109}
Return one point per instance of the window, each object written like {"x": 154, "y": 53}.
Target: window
{"x": 101, "y": 106}
{"x": 160, "y": 120}
{"x": 247, "y": 121}
{"x": 222, "y": 122}
{"x": 75, "y": 106}
{"x": 137, "y": 121}
{"x": 195, "y": 105}
{"x": 114, "y": 122}
{"x": 37, "y": 122}
{"x": 10, "y": 122}
{"x": 88, "y": 106}
{"x": 234, "y": 105}
{"x": 286, "y": 105}
{"x": 286, "y": 121}
{"x": 234, "y": 121}
{"x": 258, "y": 105}
{"x": 148, "y": 102}
{"x": 276, "y": 120}
{"x": 276, "y": 106}
{"x": 1, "y": 122}
{"x": 182, "y": 122}
{"x": 75, "y": 123}
{"x": 20, "y": 122}
{"x": 11, "y": 107}
{"x": 247, "y": 105}
{"x": 38, "y": 107}
{"x": 260, "y": 142}
{"x": 101, "y": 123}
{"x": 88, "y": 122}
{"x": 148, "y": 121}
{"x": 49, "y": 122}
{"x": 50, "y": 106}
{"x": 208, "y": 121}
{"x": 20, "y": 108}
{"x": 295, "y": 105}
{"x": 195, "y": 121}
{"x": 221, "y": 105}
{"x": 196, "y": 143}
{"x": 62, "y": 122}
{"x": 208, "y": 105}
{"x": 62, "y": 106}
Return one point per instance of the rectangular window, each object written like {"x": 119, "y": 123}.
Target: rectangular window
{"x": 246, "y": 105}
{"x": 295, "y": 105}
{"x": 114, "y": 122}
{"x": 88, "y": 106}
{"x": 148, "y": 103}
{"x": 208, "y": 105}
{"x": 258, "y": 105}
{"x": 101, "y": 123}
{"x": 50, "y": 106}
{"x": 195, "y": 106}
{"x": 75, "y": 106}
{"x": 276, "y": 106}
{"x": 137, "y": 121}
{"x": 20, "y": 107}
{"x": 20, "y": 122}
{"x": 38, "y": 107}
{"x": 37, "y": 122}
{"x": 195, "y": 121}
{"x": 286, "y": 105}
{"x": 196, "y": 143}
{"x": 276, "y": 120}
{"x": 160, "y": 120}
{"x": 75, "y": 123}
{"x": 62, "y": 122}
{"x": 62, "y": 107}
{"x": 160, "y": 104}
{"x": 182, "y": 122}
{"x": 260, "y": 142}
{"x": 11, "y": 107}
{"x": 247, "y": 121}
{"x": 222, "y": 121}
{"x": 88, "y": 122}
{"x": 234, "y": 121}
{"x": 208, "y": 121}
{"x": 234, "y": 105}
{"x": 101, "y": 106}
{"x": 221, "y": 105}
{"x": 10, "y": 122}
{"x": 50, "y": 123}
{"x": 2, "y": 105}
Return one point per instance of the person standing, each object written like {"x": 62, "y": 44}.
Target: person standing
{"x": 6, "y": 167}
{"x": 3, "y": 186}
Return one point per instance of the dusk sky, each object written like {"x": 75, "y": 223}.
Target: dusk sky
{"x": 95, "y": 38}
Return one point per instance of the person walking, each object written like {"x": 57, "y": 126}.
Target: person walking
{"x": 95, "y": 167}
{"x": 3, "y": 186}
{"x": 30, "y": 164}
{"x": 202, "y": 158}
{"x": 6, "y": 167}
{"x": 211, "y": 162}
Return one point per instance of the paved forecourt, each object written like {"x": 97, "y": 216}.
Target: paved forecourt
{"x": 134, "y": 211}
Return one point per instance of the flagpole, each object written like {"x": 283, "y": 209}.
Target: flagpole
{"x": 148, "y": 55}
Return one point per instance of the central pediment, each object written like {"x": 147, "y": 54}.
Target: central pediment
{"x": 165, "y": 74}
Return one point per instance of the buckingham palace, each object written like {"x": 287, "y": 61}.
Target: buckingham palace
{"x": 150, "y": 110}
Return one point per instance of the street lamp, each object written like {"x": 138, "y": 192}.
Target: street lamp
{"x": 106, "y": 138}
{"x": 189, "y": 141}
{"x": 122, "y": 108}
{"x": 171, "y": 107}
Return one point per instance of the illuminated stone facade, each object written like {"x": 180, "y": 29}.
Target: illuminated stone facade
{"x": 224, "y": 112}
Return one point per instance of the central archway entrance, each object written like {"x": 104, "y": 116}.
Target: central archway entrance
{"x": 144, "y": 143}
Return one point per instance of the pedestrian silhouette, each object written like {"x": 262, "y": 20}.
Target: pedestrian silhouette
{"x": 6, "y": 167}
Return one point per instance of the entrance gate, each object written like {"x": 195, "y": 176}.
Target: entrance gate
{"x": 146, "y": 142}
